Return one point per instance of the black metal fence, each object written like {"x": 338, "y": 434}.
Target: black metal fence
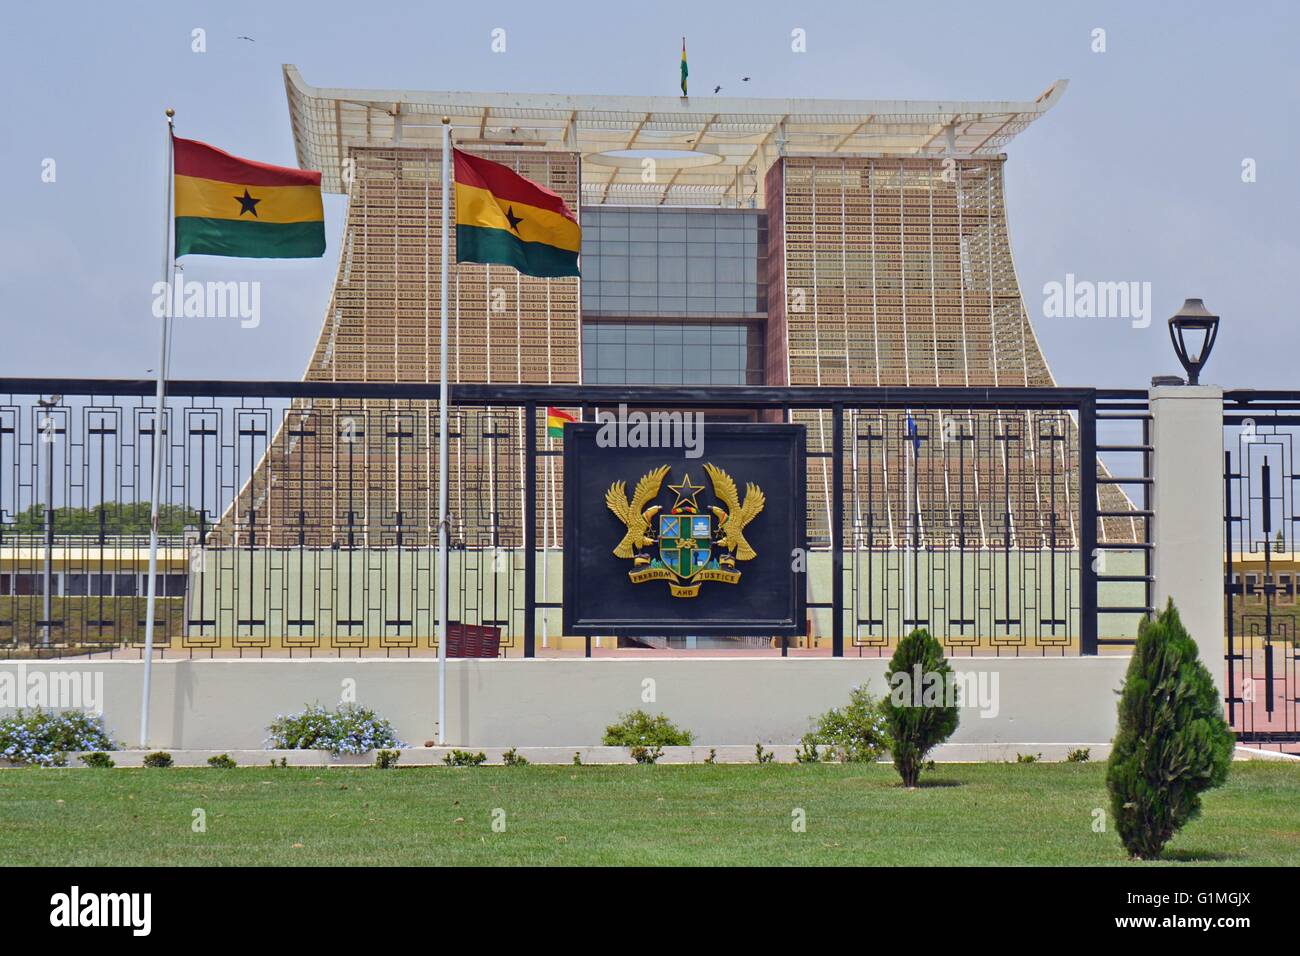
{"x": 300, "y": 518}
{"x": 1123, "y": 556}
{"x": 1262, "y": 570}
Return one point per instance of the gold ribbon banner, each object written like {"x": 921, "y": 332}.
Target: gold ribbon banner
{"x": 651, "y": 574}
{"x": 710, "y": 574}
{"x": 683, "y": 590}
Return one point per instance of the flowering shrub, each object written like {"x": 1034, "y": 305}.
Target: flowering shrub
{"x": 855, "y": 733}
{"x": 45, "y": 739}
{"x": 348, "y": 729}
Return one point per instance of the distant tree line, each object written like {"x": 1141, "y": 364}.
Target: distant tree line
{"x": 119, "y": 519}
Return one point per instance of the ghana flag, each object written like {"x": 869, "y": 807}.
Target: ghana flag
{"x": 555, "y": 419}
{"x": 227, "y": 206}
{"x": 505, "y": 219}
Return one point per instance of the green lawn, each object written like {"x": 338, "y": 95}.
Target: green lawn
{"x": 968, "y": 814}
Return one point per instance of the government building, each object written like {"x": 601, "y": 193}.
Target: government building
{"x": 726, "y": 242}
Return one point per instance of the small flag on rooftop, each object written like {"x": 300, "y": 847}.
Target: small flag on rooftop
{"x": 555, "y": 419}
{"x": 685, "y": 70}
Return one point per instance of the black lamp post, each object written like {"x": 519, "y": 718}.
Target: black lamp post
{"x": 1193, "y": 317}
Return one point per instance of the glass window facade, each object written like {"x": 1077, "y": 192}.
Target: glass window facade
{"x": 631, "y": 352}
{"x": 674, "y": 261}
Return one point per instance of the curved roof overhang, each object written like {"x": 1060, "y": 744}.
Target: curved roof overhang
{"x": 745, "y": 135}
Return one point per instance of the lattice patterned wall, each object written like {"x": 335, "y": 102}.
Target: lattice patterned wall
{"x": 898, "y": 271}
{"x": 360, "y": 471}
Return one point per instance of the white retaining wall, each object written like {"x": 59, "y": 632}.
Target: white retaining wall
{"x": 227, "y": 704}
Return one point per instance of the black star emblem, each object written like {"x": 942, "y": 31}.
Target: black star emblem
{"x": 514, "y": 220}
{"x": 686, "y": 493}
{"x": 247, "y": 203}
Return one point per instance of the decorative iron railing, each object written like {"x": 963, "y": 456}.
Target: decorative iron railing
{"x": 1261, "y": 565}
{"x": 300, "y": 518}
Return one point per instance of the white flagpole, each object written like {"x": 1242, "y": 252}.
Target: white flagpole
{"x": 907, "y": 538}
{"x": 159, "y": 447}
{"x": 443, "y": 402}
{"x": 546, "y": 541}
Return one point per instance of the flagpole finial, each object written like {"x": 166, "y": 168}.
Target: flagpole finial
{"x": 170, "y": 112}
{"x": 446, "y": 120}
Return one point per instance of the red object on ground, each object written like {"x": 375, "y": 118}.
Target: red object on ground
{"x": 473, "y": 640}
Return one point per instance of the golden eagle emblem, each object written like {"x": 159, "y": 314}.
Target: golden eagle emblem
{"x": 694, "y": 544}
{"x": 732, "y": 521}
{"x": 638, "y": 521}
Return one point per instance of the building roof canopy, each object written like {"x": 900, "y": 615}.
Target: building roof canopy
{"x": 708, "y": 150}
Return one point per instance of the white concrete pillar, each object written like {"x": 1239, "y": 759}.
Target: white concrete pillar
{"x": 1187, "y": 466}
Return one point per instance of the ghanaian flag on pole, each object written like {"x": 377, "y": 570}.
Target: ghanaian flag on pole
{"x": 505, "y": 219}
{"x": 227, "y": 206}
{"x": 685, "y": 72}
{"x": 555, "y": 419}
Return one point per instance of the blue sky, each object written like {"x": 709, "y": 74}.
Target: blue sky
{"x": 1135, "y": 175}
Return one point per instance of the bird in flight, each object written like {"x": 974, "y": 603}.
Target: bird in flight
{"x": 716, "y": 89}
{"x": 249, "y": 39}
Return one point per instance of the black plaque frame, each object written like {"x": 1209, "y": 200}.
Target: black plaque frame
{"x": 590, "y": 531}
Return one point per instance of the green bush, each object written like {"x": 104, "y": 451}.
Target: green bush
{"x": 1028, "y": 758}
{"x": 1172, "y": 742}
{"x": 855, "y": 733}
{"x": 222, "y": 762}
{"x": 463, "y": 758}
{"x": 98, "y": 759}
{"x": 348, "y": 729}
{"x": 808, "y": 752}
{"x": 639, "y": 729}
{"x": 1082, "y": 755}
{"x": 387, "y": 759}
{"x": 45, "y": 738}
{"x": 512, "y": 758}
{"x": 159, "y": 758}
{"x": 921, "y": 709}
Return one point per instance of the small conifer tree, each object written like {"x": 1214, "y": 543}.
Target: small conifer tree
{"x": 921, "y": 707}
{"x": 1172, "y": 741}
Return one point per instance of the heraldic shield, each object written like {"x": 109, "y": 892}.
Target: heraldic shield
{"x": 685, "y": 543}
